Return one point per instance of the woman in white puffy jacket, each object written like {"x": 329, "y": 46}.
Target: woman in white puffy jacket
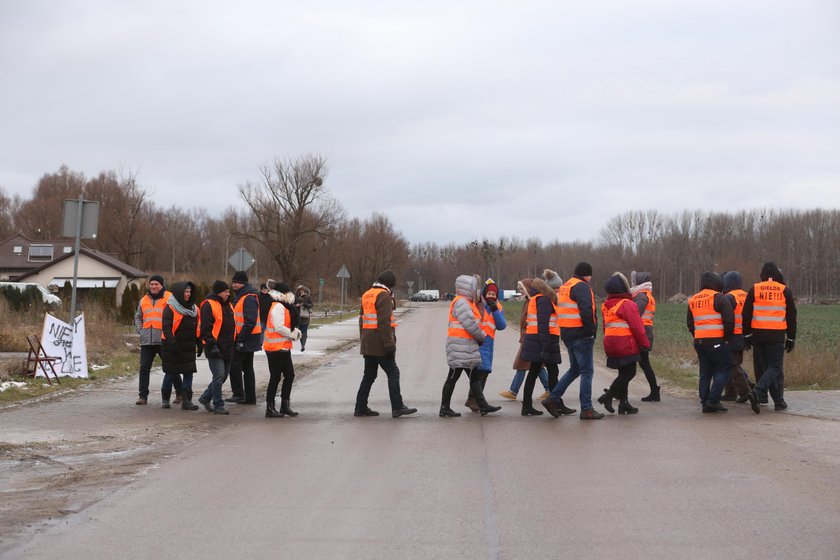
{"x": 280, "y": 333}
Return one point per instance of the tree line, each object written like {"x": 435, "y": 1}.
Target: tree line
{"x": 299, "y": 233}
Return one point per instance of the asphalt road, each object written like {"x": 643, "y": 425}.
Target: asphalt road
{"x": 667, "y": 483}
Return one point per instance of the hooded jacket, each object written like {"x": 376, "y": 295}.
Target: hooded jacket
{"x": 722, "y": 304}
{"x": 733, "y": 280}
{"x": 770, "y": 271}
{"x": 542, "y": 341}
{"x": 278, "y": 315}
{"x": 382, "y": 340}
{"x": 486, "y": 349}
{"x": 464, "y": 352}
{"x": 523, "y": 287}
{"x": 643, "y": 282}
{"x": 251, "y": 310}
{"x": 177, "y": 351}
{"x": 622, "y": 350}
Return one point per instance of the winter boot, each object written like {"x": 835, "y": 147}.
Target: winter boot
{"x": 178, "y": 399}
{"x": 186, "y": 401}
{"x": 471, "y": 403}
{"x": 606, "y": 400}
{"x": 653, "y": 396}
{"x": 271, "y": 412}
{"x": 624, "y": 407}
{"x": 445, "y": 400}
{"x": 483, "y": 406}
{"x": 164, "y": 398}
{"x": 286, "y": 409}
{"x": 530, "y": 411}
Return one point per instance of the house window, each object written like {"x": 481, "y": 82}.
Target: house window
{"x": 17, "y": 249}
{"x": 68, "y": 250}
{"x": 40, "y": 253}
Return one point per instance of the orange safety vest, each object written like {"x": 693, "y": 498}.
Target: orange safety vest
{"x": 650, "y": 310}
{"x": 216, "y": 308}
{"x": 569, "y": 311}
{"x": 488, "y": 325}
{"x": 770, "y": 307}
{"x": 370, "y": 320}
{"x": 176, "y": 322}
{"x": 153, "y": 310}
{"x": 532, "y": 327}
{"x": 707, "y": 322}
{"x": 239, "y": 314}
{"x": 275, "y": 341}
{"x": 740, "y": 297}
{"x": 613, "y": 324}
{"x": 455, "y": 328}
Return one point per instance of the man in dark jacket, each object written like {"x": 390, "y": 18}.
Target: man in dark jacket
{"x": 578, "y": 325}
{"x": 377, "y": 331}
{"x": 738, "y": 387}
{"x": 711, "y": 321}
{"x": 770, "y": 330}
{"x": 217, "y": 332}
{"x": 246, "y": 313}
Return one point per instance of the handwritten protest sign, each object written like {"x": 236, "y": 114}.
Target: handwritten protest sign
{"x": 66, "y": 342}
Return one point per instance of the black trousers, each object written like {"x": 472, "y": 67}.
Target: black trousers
{"x": 242, "y": 379}
{"x": 769, "y": 364}
{"x": 280, "y": 366}
{"x": 531, "y": 380}
{"x": 626, "y": 373}
{"x": 147, "y": 357}
{"x": 644, "y": 363}
{"x": 389, "y": 366}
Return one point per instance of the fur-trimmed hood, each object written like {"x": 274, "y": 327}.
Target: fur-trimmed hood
{"x": 282, "y": 297}
{"x": 539, "y": 286}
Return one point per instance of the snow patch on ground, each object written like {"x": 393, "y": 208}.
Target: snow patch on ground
{"x": 11, "y": 384}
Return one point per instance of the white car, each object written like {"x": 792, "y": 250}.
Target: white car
{"x": 49, "y": 298}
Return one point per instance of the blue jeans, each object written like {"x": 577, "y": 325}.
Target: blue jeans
{"x": 715, "y": 366}
{"x": 220, "y": 368}
{"x": 519, "y": 377}
{"x": 581, "y": 364}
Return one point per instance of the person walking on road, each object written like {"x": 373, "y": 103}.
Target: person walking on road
{"x": 464, "y": 337}
{"x": 578, "y": 325}
{"x": 181, "y": 343}
{"x": 642, "y": 291}
{"x": 492, "y": 320}
{"x": 218, "y": 329}
{"x": 148, "y": 321}
{"x": 542, "y": 341}
{"x": 280, "y": 333}
{"x": 711, "y": 321}
{"x": 303, "y": 304}
{"x": 246, "y": 312}
{"x": 624, "y": 339}
{"x": 377, "y": 332}
{"x": 770, "y": 330}
{"x": 738, "y": 387}
{"x": 520, "y": 366}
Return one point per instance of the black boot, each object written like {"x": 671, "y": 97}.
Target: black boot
{"x": 624, "y": 407}
{"x": 271, "y": 412}
{"x": 653, "y": 396}
{"x": 186, "y": 401}
{"x": 286, "y": 409}
{"x": 164, "y": 398}
{"x": 606, "y": 400}
{"x": 471, "y": 403}
{"x": 446, "y": 399}
{"x": 530, "y": 411}
{"x": 483, "y": 406}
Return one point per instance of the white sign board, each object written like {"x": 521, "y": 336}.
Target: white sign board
{"x": 66, "y": 342}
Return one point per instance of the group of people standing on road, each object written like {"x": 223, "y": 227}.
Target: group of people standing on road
{"x": 235, "y": 321}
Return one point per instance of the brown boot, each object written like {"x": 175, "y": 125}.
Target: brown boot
{"x": 177, "y": 398}
{"x": 472, "y": 404}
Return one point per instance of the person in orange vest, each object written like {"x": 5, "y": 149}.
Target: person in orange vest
{"x": 377, "y": 333}
{"x": 624, "y": 340}
{"x": 578, "y": 324}
{"x": 492, "y": 321}
{"x": 180, "y": 343}
{"x": 463, "y": 341}
{"x": 738, "y": 387}
{"x": 770, "y": 331}
{"x": 542, "y": 341}
{"x": 149, "y": 322}
{"x": 281, "y": 331}
{"x": 246, "y": 314}
{"x": 641, "y": 286}
{"x": 711, "y": 321}
{"x": 218, "y": 328}
{"x": 520, "y": 366}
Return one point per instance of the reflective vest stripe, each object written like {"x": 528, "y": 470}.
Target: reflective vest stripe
{"x": 532, "y": 326}
{"x": 216, "y": 308}
{"x": 274, "y": 341}
{"x": 613, "y": 324}
{"x": 370, "y": 320}
{"x": 153, "y": 310}
{"x": 572, "y": 319}
{"x": 650, "y": 309}
{"x": 740, "y": 297}
{"x": 708, "y": 323}
{"x": 770, "y": 309}
{"x": 456, "y": 329}
{"x": 176, "y": 322}
{"x": 239, "y": 314}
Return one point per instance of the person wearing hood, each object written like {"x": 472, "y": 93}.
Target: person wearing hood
{"x": 738, "y": 387}
{"x": 542, "y": 341}
{"x": 624, "y": 340}
{"x": 377, "y": 333}
{"x": 303, "y": 305}
{"x": 578, "y": 324}
{"x": 218, "y": 328}
{"x": 149, "y": 324}
{"x": 248, "y": 339}
{"x": 463, "y": 341}
{"x": 492, "y": 320}
{"x": 711, "y": 321}
{"x": 641, "y": 287}
{"x": 180, "y": 343}
{"x": 770, "y": 331}
{"x": 520, "y": 366}
{"x": 280, "y": 334}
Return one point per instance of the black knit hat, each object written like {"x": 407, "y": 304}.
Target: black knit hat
{"x": 157, "y": 278}
{"x": 240, "y": 277}
{"x": 583, "y": 269}
{"x": 387, "y": 278}
{"x": 220, "y": 286}
{"x": 281, "y": 287}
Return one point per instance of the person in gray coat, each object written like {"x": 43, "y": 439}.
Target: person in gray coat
{"x": 463, "y": 339}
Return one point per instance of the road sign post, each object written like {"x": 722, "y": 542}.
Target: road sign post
{"x": 343, "y": 274}
{"x": 81, "y": 219}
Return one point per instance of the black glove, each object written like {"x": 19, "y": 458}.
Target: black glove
{"x": 748, "y": 343}
{"x": 214, "y": 352}
{"x": 493, "y": 306}
{"x": 544, "y": 356}
{"x": 199, "y": 349}
{"x": 789, "y": 344}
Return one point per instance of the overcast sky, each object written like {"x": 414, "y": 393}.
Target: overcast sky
{"x": 459, "y": 120}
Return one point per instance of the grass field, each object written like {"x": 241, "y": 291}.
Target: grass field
{"x": 814, "y": 363}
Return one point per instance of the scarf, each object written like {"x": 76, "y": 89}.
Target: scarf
{"x": 176, "y": 305}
